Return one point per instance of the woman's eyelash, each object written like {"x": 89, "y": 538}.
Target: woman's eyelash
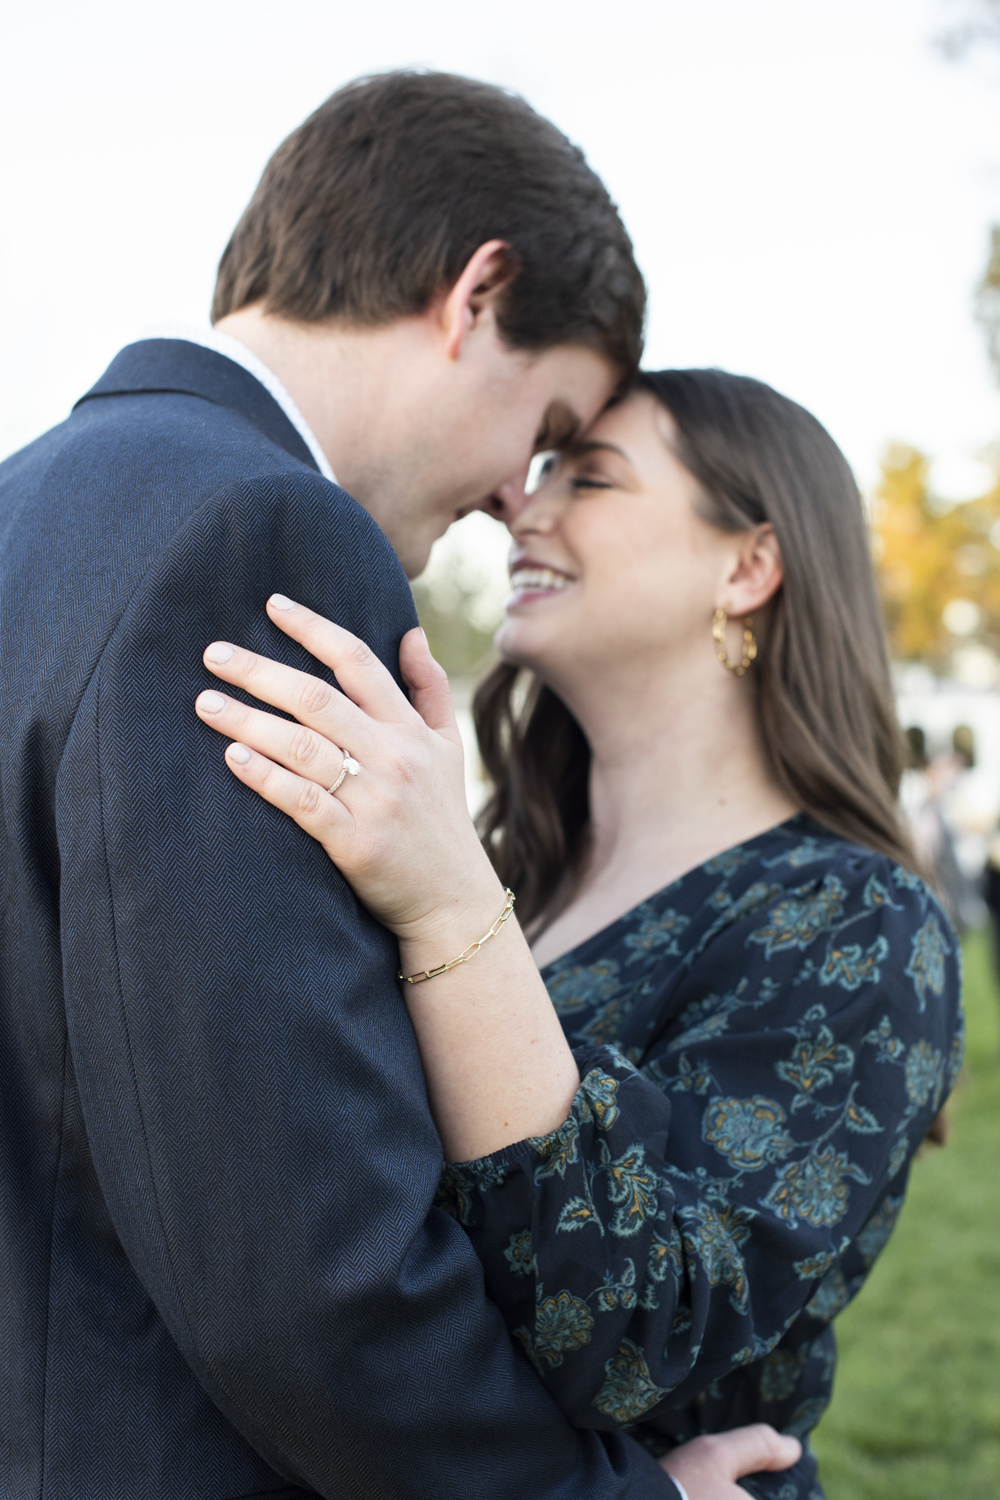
{"x": 582, "y": 482}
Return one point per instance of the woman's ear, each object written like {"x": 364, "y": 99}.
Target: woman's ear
{"x": 756, "y": 575}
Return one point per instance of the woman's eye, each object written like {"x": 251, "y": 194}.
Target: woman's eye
{"x": 583, "y": 482}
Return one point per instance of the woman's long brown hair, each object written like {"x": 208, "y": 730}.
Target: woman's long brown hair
{"x": 821, "y": 680}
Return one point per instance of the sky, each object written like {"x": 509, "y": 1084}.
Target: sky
{"x": 808, "y": 183}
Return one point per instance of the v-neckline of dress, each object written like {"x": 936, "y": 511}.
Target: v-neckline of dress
{"x": 605, "y": 936}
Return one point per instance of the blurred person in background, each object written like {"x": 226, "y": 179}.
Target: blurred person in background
{"x": 991, "y": 892}
{"x": 678, "y": 1148}
{"x": 223, "y": 1273}
{"x": 924, "y": 792}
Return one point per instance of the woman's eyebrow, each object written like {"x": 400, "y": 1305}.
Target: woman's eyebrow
{"x": 591, "y": 445}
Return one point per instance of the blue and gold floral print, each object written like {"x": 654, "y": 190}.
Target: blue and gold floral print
{"x": 797, "y": 921}
{"x": 762, "y": 1047}
{"x": 655, "y": 933}
{"x": 815, "y": 1187}
{"x": 748, "y": 1132}
{"x": 627, "y": 1392}
{"x": 518, "y": 1253}
{"x": 927, "y": 956}
{"x": 562, "y": 1323}
{"x": 814, "y": 1060}
{"x": 713, "y": 1233}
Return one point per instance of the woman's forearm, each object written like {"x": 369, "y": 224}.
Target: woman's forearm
{"x": 498, "y": 1066}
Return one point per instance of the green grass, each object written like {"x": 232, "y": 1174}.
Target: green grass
{"x": 916, "y": 1408}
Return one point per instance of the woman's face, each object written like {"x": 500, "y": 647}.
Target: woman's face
{"x": 612, "y": 568}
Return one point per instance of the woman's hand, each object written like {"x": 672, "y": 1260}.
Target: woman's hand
{"x": 708, "y": 1467}
{"x": 497, "y": 1064}
{"x": 399, "y": 829}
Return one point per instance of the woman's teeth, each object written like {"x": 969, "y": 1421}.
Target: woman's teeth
{"x": 528, "y": 580}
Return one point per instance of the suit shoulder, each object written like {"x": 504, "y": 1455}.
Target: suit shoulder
{"x": 292, "y": 533}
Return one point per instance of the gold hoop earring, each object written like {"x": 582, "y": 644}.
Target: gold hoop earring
{"x": 719, "y": 621}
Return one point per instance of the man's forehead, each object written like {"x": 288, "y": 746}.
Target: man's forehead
{"x": 581, "y": 378}
{"x": 562, "y": 423}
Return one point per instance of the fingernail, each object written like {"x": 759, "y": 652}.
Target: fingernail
{"x": 281, "y": 601}
{"x": 424, "y": 634}
{"x": 211, "y": 703}
{"x": 219, "y": 652}
{"x": 239, "y": 753}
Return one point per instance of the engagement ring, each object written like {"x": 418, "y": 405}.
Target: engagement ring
{"x": 349, "y": 768}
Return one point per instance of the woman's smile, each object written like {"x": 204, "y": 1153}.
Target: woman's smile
{"x": 531, "y": 580}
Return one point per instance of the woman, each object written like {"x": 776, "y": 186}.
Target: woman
{"x": 695, "y": 764}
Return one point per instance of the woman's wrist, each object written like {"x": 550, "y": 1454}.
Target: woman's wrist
{"x": 453, "y": 926}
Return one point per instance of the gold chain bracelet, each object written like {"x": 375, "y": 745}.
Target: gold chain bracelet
{"x": 467, "y": 953}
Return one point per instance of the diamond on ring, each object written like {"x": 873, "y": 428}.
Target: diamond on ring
{"x": 350, "y": 767}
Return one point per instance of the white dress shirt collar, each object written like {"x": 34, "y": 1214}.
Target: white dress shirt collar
{"x": 224, "y": 343}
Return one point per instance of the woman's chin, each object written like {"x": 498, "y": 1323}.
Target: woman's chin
{"x": 518, "y": 643}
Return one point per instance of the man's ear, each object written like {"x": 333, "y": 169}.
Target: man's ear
{"x": 475, "y": 293}
{"x": 757, "y": 573}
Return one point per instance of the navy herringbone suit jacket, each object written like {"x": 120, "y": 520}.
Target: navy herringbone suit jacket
{"x": 220, "y": 1274}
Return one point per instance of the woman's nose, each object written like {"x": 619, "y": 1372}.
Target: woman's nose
{"x": 538, "y": 514}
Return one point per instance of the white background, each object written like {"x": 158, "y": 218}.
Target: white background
{"x": 808, "y": 182}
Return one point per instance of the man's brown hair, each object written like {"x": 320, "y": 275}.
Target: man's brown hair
{"x": 376, "y": 203}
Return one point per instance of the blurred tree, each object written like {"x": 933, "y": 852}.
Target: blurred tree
{"x": 938, "y": 563}
{"x": 976, "y": 22}
{"x": 447, "y": 611}
{"x": 988, "y": 300}
{"x": 979, "y": 26}
{"x": 460, "y": 596}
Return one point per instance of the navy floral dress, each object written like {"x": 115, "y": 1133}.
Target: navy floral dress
{"x": 763, "y": 1046}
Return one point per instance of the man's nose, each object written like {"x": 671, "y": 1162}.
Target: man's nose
{"x": 508, "y": 500}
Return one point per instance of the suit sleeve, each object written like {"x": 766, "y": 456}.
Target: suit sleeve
{"x": 250, "y": 1081}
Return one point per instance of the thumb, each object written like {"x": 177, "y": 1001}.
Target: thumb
{"x": 705, "y": 1463}
{"x": 758, "y": 1448}
{"x": 427, "y": 681}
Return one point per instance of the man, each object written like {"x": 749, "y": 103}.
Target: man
{"x": 222, "y": 1274}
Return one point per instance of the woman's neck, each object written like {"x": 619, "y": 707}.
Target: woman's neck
{"x": 678, "y": 774}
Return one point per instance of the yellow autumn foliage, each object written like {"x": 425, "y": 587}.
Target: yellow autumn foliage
{"x": 928, "y": 555}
